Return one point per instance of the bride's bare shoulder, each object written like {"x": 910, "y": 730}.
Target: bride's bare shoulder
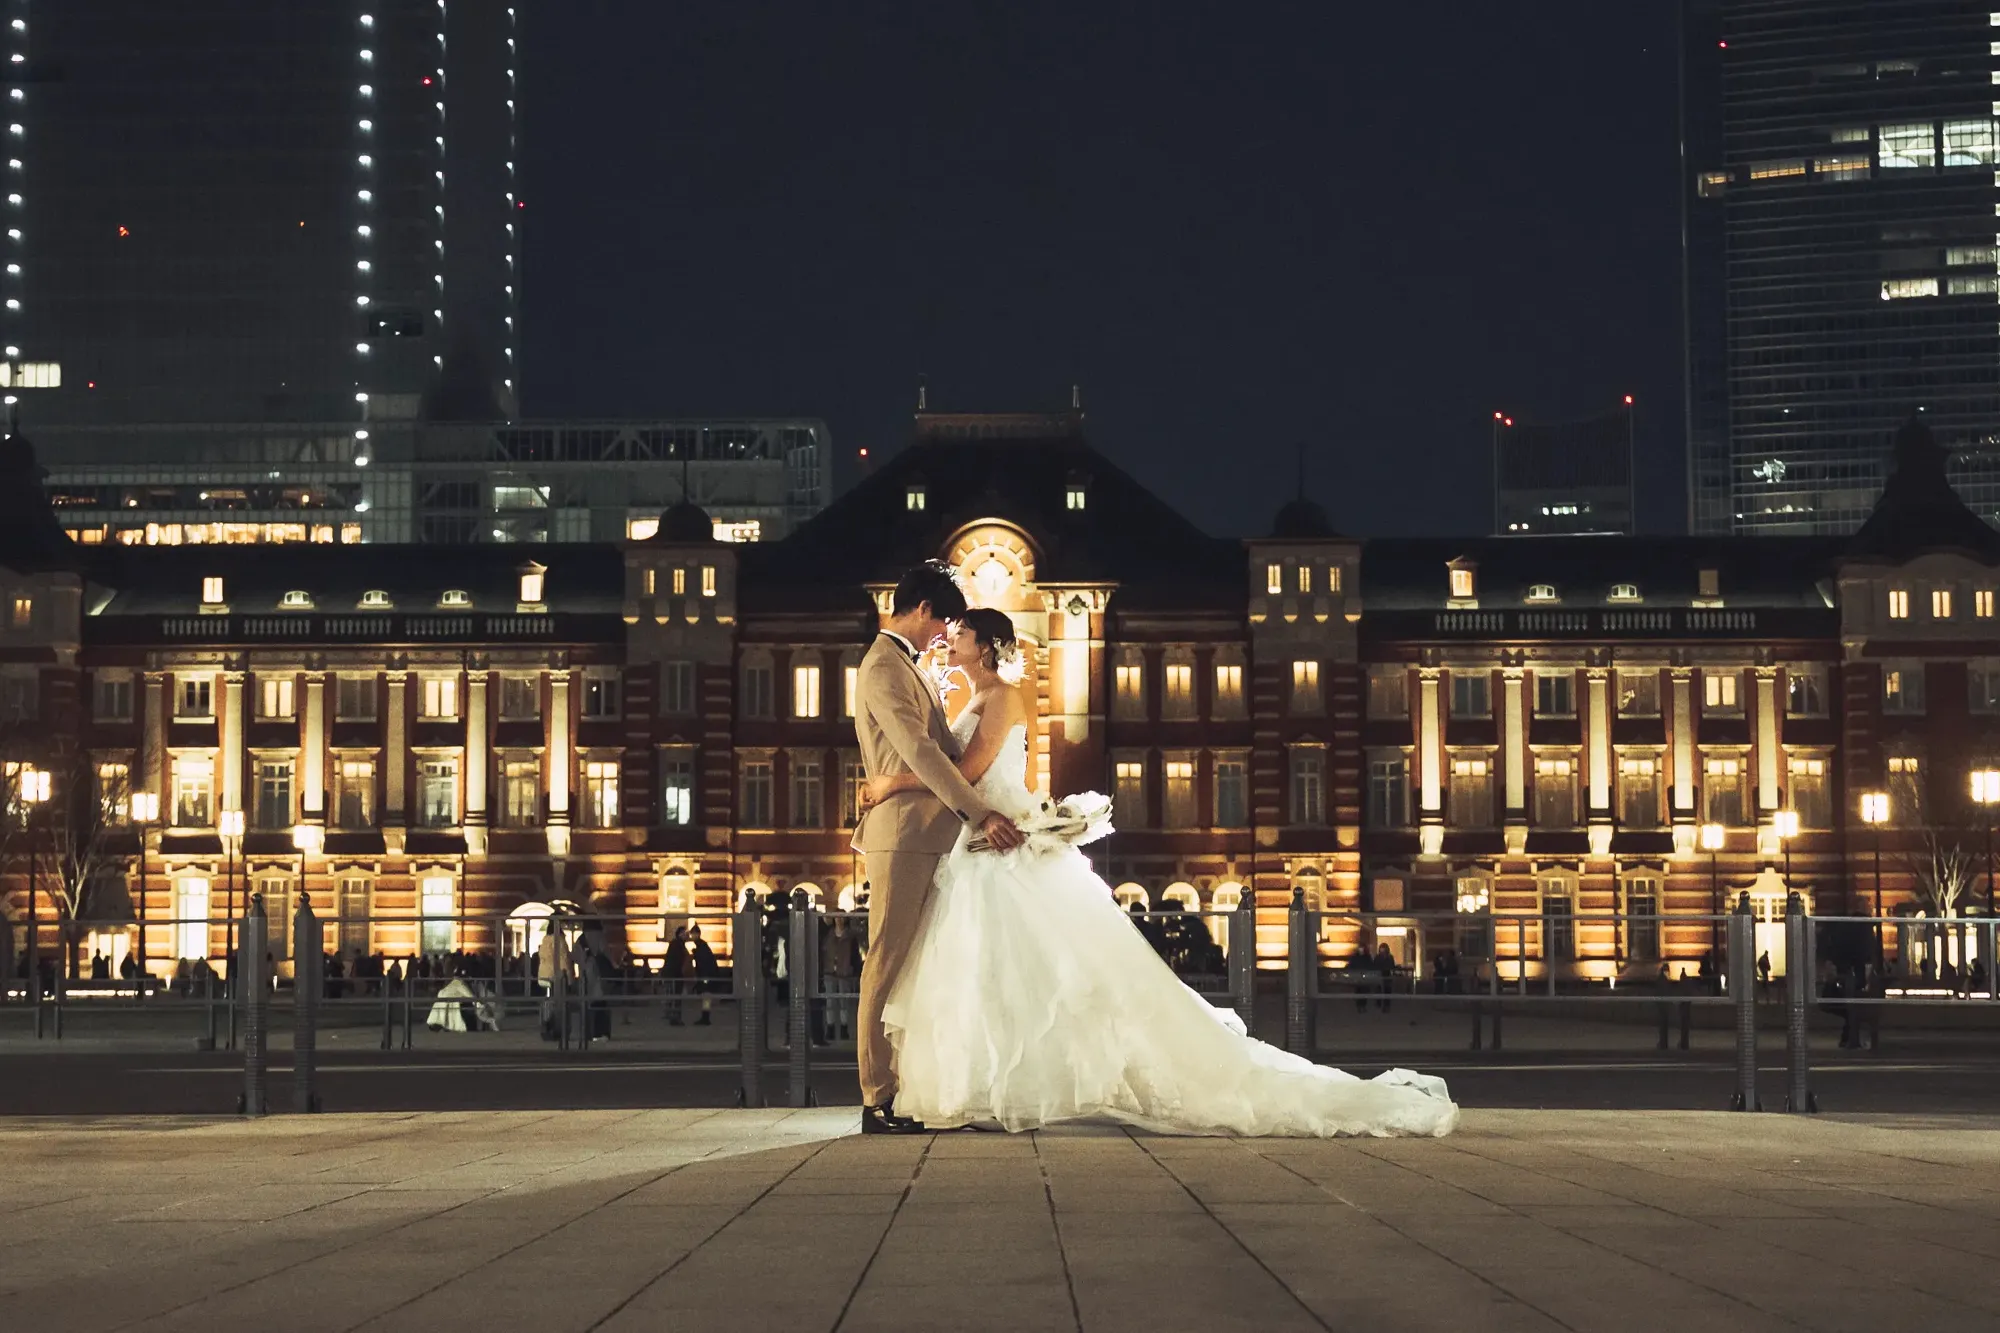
{"x": 1009, "y": 705}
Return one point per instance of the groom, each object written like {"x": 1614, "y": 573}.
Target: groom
{"x": 902, "y": 729}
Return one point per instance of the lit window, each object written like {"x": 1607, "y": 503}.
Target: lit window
{"x": 1305, "y": 686}
{"x": 805, "y": 691}
{"x": 24, "y": 612}
{"x": 1899, "y": 604}
{"x": 850, "y": 685}
{"x": 438, "y": 898}
{"x": 651, "y": 582}
{"x": 1305, "y": 578}
{"x": 600, "y": 794}
{"x": 641, "y": 529}
{"x": 1712, "y": 184}
{"x": 1461, "y": 582}
{"x": 1179, "y": 700}
{"x": 437, "y": 793}
{"x": 1940, "y": 604}
{"x": 1719, "y": 690}
{"x": 531, "y": 584}
{"x": 1970, "y": 143}
{"x": 1228, "y": 687}
{"x": 211, "y": 592}
{"x": 1274, "y": 578}
{"x": 375, "y": 600}
{"x": 1542, "y": 592}
{"x": 1180, "y": 793}
{"x": 1981, "y": 284}
{"x": 1847, "y": 168}
{"x": 1982, "y": 603}
{"x": 1709, "y": 583}
{"x": 1903, "y": 687}
{"x": 455, "y": 597}
{"x": 274, "y": 697}
{"x": 914, "y": 499}
{"x": 297, "y": 601}
{"x": 1984, "y": 256}
{"x": 1771, "y": 171}
{"x": 680, "y": 583}
{"x": 1129, "y": 795}
{"x": 708, "y": 580}
{"x": 440, "y": 697}
{"x": 1722, "y": 791}
{"x": 1131, "y": 696}
{"x": 1624, "y": 592}
{"x": 1076, "y": 497}
{"x": 1333, "y": 578}
{"x": 1470, "y": 798}
{"x": 194, "y": 790}
{"x": 1903, "y": 289}
{"x": 1555, "y": 793}
{"x": 1911, "y": 147}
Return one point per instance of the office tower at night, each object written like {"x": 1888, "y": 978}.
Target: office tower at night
{"x": 241, "y": 212}
{"x": 1567, "y": 477}
{"x": 1840, "y": 253}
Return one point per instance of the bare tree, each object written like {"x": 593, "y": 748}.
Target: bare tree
{"x": 86, "y": 811}
{"x": 1945, "y": 868}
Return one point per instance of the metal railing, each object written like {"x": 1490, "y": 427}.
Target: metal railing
{"x": 1539, "y": 965}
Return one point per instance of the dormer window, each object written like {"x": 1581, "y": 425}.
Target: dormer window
{"x": 1076, "y": 497}
{"x": 532, "y": 576}
{"x": 1624, "y": 592}
{"x": 375, "y": 600}
{"x": 914, "y": 498}
{"x": 455, "y": 597}
{"x": 23, "y": 613}
{"x": 1274, "y": 578}
{"x": 1940, "y": 603}
{"x": 1709, "y": 584}
{"x": 708, "y": 580}
{"x": 1899, "y": 603}
{"x": 1461, "y": 581}
{"x": 680, "y": 582}
{"x": 1542, "y": 592}
{"x": 650, "y": 581}
{"x": 211, "y": 592}
{"x": 1305, "y": 578}
{"x": 296, "y": 600}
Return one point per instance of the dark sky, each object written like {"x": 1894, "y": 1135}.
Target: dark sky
{"x": 1238, "y": 226}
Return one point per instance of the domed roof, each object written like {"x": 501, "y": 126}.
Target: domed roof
{"x": 30, "y": 537}
{"x": 685, "y": 524}
{"x": 1302, "y": 520}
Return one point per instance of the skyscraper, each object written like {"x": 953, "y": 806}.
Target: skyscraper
{"x": 241, "y": 211}
{"x": 1840, "y": 253}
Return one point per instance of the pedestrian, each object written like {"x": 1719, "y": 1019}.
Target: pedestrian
{"x": 1360, "y": 968}
{"x": 840, "y": 971}
{"x": 707, "y": 971}
{"x": 552, "y": 968}
{"x": 1764, "y": 975}
{"x": 679, "y": 969}
{"x": 1385, "y": 963}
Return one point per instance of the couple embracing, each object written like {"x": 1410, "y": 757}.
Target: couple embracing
{"x": 1004, "y": 987}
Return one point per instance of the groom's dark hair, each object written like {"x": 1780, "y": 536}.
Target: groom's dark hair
{"x": 935, "y": 582}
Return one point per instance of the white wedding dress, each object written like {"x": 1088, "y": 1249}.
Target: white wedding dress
{"x": 1031, "y": 999}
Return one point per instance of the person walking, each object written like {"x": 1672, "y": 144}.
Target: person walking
{"x": 707, "y": 972}
{"x": 1385, "y": 963}
{"x": 679, "y": 972}
{"x": 840, "y": 972}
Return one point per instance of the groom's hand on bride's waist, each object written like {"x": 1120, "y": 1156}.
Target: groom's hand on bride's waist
{"x": 1000, "y": 833}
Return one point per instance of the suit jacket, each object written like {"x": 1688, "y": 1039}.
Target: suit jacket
{"x": 902, "y": 729}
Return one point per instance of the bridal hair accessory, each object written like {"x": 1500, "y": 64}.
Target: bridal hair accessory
{"x": 1070, "y": 822}
{"x": 995, "y": 632}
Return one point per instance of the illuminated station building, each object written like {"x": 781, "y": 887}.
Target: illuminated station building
{"x": 1446, "y": 734}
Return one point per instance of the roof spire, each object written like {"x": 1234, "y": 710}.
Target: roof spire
{"x": 1076, "y": 397}
{"x": 923, "y": 395}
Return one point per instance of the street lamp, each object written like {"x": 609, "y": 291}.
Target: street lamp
{"x": 1712, "y": 838}
{"x": 145, "y": 813}
{"x": 1785, "y": 823}
{"x": 34, "y": 791}
{"x": 1875, "y": 813}
{"x": 230, "y": 824}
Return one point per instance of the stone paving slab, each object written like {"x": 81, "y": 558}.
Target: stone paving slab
{"x": 778, "y": 1220}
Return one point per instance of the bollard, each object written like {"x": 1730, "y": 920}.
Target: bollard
{"x": 1665, "y": 1018}
{"x": 559, "y": 987}
{"x": 251, "y": 992}
{"x": 1743, "y": 992}
{"x": 308, "y": 966}
{"x": 207, "y": 1040}
{"x": 1499, "y": 1009}
{"x": 799, "y": 969}
{"x": 409, "y": 997}
{"x": 388, "y": 1016}
{"x": 1799, "y": 973}
{"x": 1243, "y": 960}
{"x": 56, "y": 995}
{"x": 1299, "y": 964}
{"x": 747, "y": 981}
{"x": 1687, "y": 1021}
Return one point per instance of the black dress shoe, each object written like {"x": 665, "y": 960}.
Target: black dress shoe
{"x": 884, "y": 1120}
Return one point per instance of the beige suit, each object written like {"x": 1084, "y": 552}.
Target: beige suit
{"x": 902, "y": 728}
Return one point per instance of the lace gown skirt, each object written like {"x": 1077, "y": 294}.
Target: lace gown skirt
{"x": 1032, "y": 1000}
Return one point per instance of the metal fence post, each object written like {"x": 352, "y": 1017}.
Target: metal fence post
{"x": 1243, "y": 960}
{"x": 1799, "y": 977}
{"x": 308, "y": 968}
{"x": 746, "y": 966}
{"x": 799, "y": 953}
{"x": 56, "y": 992}
{"x": 1298, "y": 976}
{"x": 1743, "y": 994}
{"x": 248, "y": 965}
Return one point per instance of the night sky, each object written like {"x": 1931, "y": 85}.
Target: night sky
{"x": 1240, "y": 227}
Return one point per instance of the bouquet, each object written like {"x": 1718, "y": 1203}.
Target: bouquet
{"x": 1054, "y": 825}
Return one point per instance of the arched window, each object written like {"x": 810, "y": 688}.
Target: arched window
{"x": 676, "y": 893}
{"x": 850, "y": 897}
{"x": 811, "y": 891}
{"x": 1314, "y": 884}
{"x": 1227, "y": 897}
{"x": 1127, "y": 894}
{"x": 1182, "y": 893}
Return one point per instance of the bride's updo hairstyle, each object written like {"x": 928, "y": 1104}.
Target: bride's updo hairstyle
{"x": 998, "y": 647}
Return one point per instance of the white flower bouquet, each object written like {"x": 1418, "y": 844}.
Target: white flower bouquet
{"x": 1054, "y": 825}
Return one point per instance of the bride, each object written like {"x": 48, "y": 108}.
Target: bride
{"x": 1030, "y": 999}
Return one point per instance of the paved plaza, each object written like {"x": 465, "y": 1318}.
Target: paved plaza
{"x": 687, "y": 1219}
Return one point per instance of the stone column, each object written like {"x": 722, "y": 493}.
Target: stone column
{"x": 312, "y": 751}
{"x": 560, "y": 762}
{"x": 152, "y": 774}
{"x": 229, "y": 775}
{"x": 1680, "y": 731}
{"x": 1767, "y": 740}
{"x": 1430, "y": 763}
{"x": 1514, "y": 742}
{"x": 1598, "y": 682}
{"x": 396, "y": 760}
{"x": 477, "y": 761}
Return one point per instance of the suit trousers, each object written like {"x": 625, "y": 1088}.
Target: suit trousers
{"x": 899, "y": 898}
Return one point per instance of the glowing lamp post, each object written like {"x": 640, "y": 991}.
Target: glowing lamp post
{"x": 230, "y": 825}
{"x": 34, "y": 793}
{"x": 1986, "y": 791}
{"x": 145, "y": 807}
{"x": 1785, "y": 823}
{"x": 1712, "y": 837}
{"x": 1875, "y": 813}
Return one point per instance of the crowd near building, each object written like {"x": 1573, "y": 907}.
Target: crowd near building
{"x": 1563, "y": 754}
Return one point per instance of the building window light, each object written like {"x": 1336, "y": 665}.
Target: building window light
{"x": 708, "y": 580}
{"x": 914, "y": 499}
{"x": 457, "y": 597}
{"x": 1899, "y": 603}
{"x": 1542, "y": 592}
{"x": 1461, "y": 582}
{"x": 1982, "y": 603}
{"x": 375, "y": 599}
{"x": 297, "y": 600}
{"x": 531, "y": 584}
{"x": 1841, "y": 168}
{"x": 1624, "y": 592}
{"x": 1903, "y": 289}
{"x": 1768, "y": 171}
{"x": 1077, "y": 498}
{"x": 211, "y": 591}
{"x": 1274, "y": 578}
{"x": 1911, "y": 147}
{"x": 1940, "y": 603}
